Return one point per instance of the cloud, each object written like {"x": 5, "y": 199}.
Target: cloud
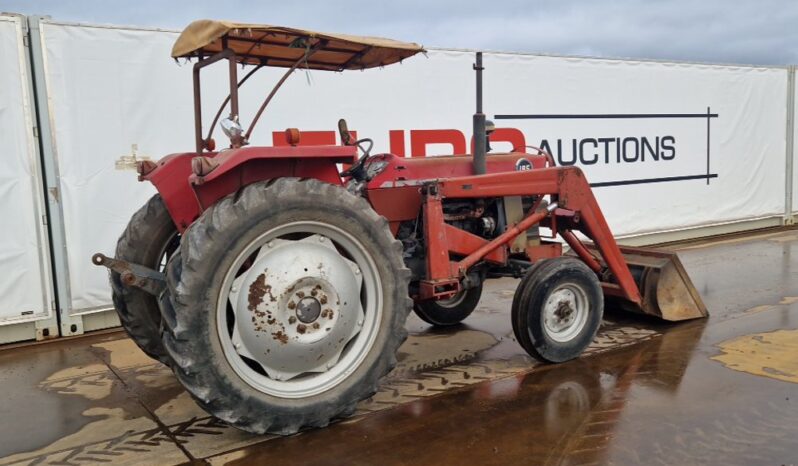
{"x": 756, "y": 32}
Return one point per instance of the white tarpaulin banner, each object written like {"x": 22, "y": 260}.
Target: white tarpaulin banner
{"x": 795, "y": 158}
{"x": 24, "y": 265}
{"x": 668, "y": 146}
{"x": 109, "y": 89}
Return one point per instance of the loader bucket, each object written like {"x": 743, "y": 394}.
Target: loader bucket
{"x": 667, "y": 291}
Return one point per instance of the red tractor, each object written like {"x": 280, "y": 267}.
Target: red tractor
{"x": 276, "y": 286}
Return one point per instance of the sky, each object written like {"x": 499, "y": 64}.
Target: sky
{"x": 719, "y": 31}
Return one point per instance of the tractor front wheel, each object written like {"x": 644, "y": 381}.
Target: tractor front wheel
{"x": 557, "y": 309}
{"x": 452, "y": 311}
{"x": 287, "y": 307}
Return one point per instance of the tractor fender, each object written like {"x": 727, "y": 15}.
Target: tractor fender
{"x": 171, "y": 178}
{"x": 187, "y": 194}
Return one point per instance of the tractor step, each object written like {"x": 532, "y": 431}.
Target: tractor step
{"x": 438, "y": 289}
{"x": 145, "y": 278}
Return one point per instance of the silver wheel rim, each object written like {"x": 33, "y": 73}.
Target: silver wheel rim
{"x": 565, "y": 312}
{"x": 454, "y": 301}
{"x": 300, "y": 309}
{"x": 165, "y": 253}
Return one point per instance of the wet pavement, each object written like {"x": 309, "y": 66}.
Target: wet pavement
{"x": 720, "y": 391}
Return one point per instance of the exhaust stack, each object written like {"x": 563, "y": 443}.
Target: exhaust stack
{"x": 480, "y": 135}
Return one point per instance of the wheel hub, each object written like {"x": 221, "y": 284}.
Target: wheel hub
{"x": 296, "y": 307}
{"x": 565, "y": 312}
{"x": 308, "y": 309}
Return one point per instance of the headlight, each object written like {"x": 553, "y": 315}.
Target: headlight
{"x": 232, "y": 129}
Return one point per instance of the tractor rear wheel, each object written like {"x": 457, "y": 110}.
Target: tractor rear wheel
{"x": 559, "y": 307}
{"x": 452, "y": 311}
{"x": 287, "y": 307}
{"x": 149, "y": 239}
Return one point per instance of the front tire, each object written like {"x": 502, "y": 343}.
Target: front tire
{"x": 557, "y": 309}
{"x": 287, "y": 307}
{"x": 452, "y": 311}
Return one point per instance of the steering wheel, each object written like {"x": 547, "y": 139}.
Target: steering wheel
{"x": 356, "y": 170}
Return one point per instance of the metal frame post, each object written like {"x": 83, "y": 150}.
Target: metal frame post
{"x": 789, "y": 219}
{"x": 480, "y": 143}
{"x": 202, "y": 63}
{"x": 70, "y": 325}
{"x": 47, "y": 327}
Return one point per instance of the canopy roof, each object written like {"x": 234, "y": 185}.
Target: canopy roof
{"x": 283, "y": 46}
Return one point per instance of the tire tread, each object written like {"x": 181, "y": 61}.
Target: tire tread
{"x": 191, "y": 365}
{"x": 138, "y": 311}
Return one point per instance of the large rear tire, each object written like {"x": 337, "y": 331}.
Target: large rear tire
{"x": 149, "y": 239}
{"x": 452, "y": 311}
{"x": 287, "y": 307}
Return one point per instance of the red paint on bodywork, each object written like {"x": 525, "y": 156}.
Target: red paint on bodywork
{"x": 170, "y": 178}
{"x": 255, "y": 170}
{"x": 240, "y": 167}
{"x": 395, "y": 194}
{"x": 569, "y": 187}
{"x": 230, "y": 159}
{"x": 187, "y": 195}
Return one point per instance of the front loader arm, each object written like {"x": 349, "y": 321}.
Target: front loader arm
{"x": 575, "y": 204}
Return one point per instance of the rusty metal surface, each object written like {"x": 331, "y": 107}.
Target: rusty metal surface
{"x": 149, "y": 280}
{"x": 702, "y": 392}
{"x": 667, "y": 290}
{"x": 676, "y": 296}
{"x": 578, "y": 210}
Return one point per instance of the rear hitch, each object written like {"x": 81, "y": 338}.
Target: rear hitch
{"x": 147, "y": 279}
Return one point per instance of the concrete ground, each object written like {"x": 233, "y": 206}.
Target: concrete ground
{"x": 720, "y": 391}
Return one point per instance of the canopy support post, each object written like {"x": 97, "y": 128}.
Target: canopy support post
{"x": 226, "y": 53}
{"x": 277, "y": 86}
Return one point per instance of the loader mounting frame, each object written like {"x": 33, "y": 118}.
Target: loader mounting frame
{"x": 573, "y": 208}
